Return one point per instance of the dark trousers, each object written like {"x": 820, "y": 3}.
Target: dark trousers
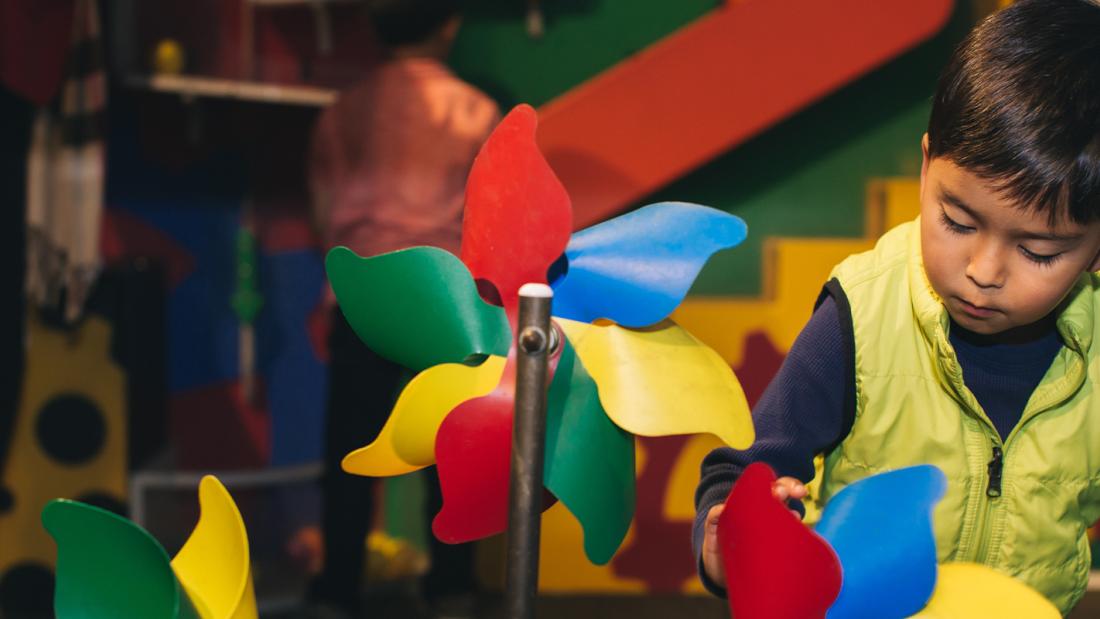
{"x": 362, "y": 389}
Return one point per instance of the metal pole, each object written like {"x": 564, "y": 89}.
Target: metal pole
{"x": 528, "y": 438}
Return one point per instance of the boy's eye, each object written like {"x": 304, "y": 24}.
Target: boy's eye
{"x": 1043, "y": 259}
{"x": 953, "y": 225}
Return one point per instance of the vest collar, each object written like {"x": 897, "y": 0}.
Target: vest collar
{"x": 928, "y": 308}
{"x": 1075, "y": 323}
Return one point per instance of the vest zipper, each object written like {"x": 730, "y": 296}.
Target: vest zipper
{"x": 992, "y": 492}
{"x": 995, "y": 466}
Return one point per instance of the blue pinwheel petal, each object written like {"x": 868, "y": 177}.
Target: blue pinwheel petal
{"x": 881, "y": 528}
{"x": 635, "y": 269}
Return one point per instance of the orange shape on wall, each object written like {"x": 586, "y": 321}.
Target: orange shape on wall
{"x": 715, "y": 84}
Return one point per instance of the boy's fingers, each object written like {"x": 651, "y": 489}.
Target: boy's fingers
{"x": 711, "y": 524}
{"x": 788, "y": 488}
{"x": 798, "y": 491}
{"x": 713, "y": 515}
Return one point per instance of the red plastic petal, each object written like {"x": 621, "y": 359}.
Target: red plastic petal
{"x": 776, "y": 567}
{"x": 473, "y": 451}
{"x": 518, "y": 216}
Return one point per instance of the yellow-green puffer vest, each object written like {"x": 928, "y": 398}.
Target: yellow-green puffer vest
{"x": 1022, "y": 505}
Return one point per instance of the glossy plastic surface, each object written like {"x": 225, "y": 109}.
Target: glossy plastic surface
{"x": 589, "y": 460}
{"x": 473, "y": 457}
{"x": 110, "y": 568}
{"x": 971, "y": 591}
{"x": 662, "y": 381}
{"x": 407, "y": 441}
{"x": 518, "y": 217}
{"x": 214, "y": 563}
{"x": 417, "y": 307}
{"x": 636, "y": 268}
{"x": 776, "y": 567}
{"x": 881, "y": 528}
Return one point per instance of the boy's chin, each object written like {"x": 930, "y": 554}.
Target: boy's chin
{"x": 1001, "y": 329}
{"x": 981, "y": 326}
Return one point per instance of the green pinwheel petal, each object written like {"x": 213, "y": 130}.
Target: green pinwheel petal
{"x": 110, "y": 568}
{"x": 418, "y": 307}
{"x": 589, "y": 462}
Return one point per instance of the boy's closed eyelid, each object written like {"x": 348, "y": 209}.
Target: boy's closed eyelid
{"x": 1040, "y": 259}
{"x": 951, "y": 224}
{"x": 946, "y": 198}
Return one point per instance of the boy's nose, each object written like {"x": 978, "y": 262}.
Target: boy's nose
{"x": 986, "y": 269}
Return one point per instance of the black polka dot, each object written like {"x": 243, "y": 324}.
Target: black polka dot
{"x": 71, "y": 429}
{"x": 26, "y": 590}
{"x": 105, "y": 501}
{"x": 7, "y": 501}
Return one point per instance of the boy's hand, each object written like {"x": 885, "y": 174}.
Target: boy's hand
{"x": 784, "y": 489}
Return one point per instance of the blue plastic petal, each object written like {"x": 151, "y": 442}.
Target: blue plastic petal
{"x": 881, "y": 528}
{"x": 636, "y": 268}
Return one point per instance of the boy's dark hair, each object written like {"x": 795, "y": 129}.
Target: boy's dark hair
{"x": 1019, "y": 105}
{"x": 408, "y": 22}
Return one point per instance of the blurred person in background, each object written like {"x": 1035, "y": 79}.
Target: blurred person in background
{"x": 388, "y": 171}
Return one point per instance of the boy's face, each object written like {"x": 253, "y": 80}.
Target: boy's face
{"x": 996, "y": 266}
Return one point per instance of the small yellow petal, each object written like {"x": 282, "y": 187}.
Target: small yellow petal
{"x": 407, "y": 441}
{"x": 213, "y": 566}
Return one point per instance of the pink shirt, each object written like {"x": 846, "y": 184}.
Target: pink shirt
{"x": 390, "y": 158}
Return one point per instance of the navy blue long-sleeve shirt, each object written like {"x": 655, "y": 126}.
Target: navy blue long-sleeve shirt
{"x": 803, "y": 411}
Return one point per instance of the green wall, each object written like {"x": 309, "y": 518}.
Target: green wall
{"x": 582, "y": 38}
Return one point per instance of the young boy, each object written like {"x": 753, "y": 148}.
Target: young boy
{"x": 970, "y": 338}
{"x": 388, "y": 171}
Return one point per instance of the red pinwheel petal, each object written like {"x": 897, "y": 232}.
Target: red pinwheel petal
{"x": 473, "y": 451}
{"x": 518, "y": 216}
{"x": 776, "y": 567}
{"x": 472, "y": 454}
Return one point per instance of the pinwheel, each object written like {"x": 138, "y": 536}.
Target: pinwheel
{"x": 622, "y": 368}
{"x": 872, "y": 555}
{"x": 110, "y": 568}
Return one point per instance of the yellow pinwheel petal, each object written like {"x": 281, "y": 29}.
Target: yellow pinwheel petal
{"x": 660, "y": 380}
{"x": 430, "y": 396}
{"x": 213, "y": 566}
{"x": 407, "y": 441}
{"x": 972, "y": 591}
{"x": 379, "y": 458}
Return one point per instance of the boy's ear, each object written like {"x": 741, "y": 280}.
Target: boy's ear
{"x": 924, "y": 162}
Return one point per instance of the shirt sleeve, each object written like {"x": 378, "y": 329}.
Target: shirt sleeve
{"x": 802, "y": 413}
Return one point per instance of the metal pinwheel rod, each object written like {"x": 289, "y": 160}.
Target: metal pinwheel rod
{"x": 534, "y": 347}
